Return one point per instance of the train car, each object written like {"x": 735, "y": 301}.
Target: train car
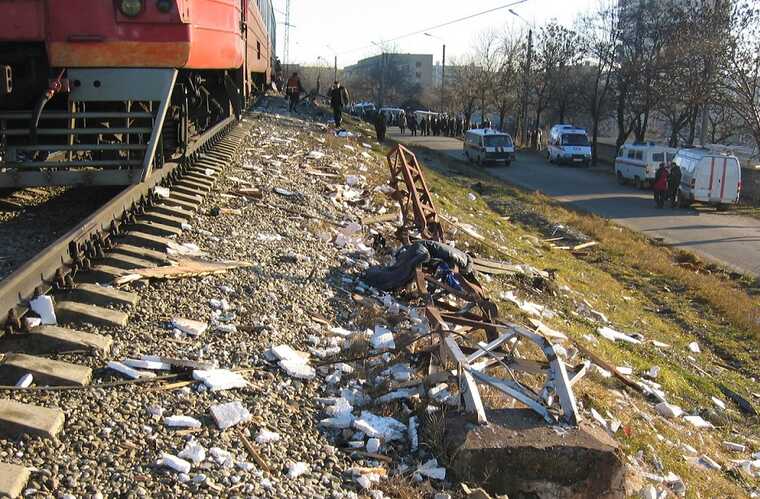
{"x": 102, "y": 91}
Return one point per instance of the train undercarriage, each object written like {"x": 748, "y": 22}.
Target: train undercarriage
{"x": 102, "y": 126}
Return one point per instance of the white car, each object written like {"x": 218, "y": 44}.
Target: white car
{"x": 638, "y": 163}
{"x": 483, "y": 145}
{"x": 568, "y": 144}
{"x": 708, "y": 177}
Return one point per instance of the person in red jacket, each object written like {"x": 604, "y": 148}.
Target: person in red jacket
{"x": 293, "y": 89}
{"x": 660, "y": 186}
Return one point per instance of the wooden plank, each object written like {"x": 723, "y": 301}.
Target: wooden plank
{"x": 185, "y": 267}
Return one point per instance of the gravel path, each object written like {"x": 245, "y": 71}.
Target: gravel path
{"x": 113, "y": 437}
{"x": 31, "y": 219}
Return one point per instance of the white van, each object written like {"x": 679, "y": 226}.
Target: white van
{"x": 639, "y": 162}
{"x": 708, "y": 177}
{"x": 568, "y": 144}
{"x": 483, "y": 145}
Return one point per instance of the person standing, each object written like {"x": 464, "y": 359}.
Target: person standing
{"x": 413, "y": 125}
{"x": 293, "y": 89}
{"x": 423, "y": 125}
{"x": 660, "y": 186}
{"x": 380, "y": 126}
{"x": 338, "y": 99}
{"x": 402, "y": 122}
{"x": 674, "y": 180}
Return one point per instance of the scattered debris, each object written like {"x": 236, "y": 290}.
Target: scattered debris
{"x": 229, "y": 414}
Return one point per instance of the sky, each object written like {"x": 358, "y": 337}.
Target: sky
{"x": 349, "y": 27}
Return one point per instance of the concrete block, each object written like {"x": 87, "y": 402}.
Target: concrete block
{"x": 518, "y": 454}
{"x": 182, "y": 202}
{"x": 13, "y": 479}
{"x": 45, "y": 371}
{"x": 191, "y": 194}
{"x": 102, "y": 295}
{"x": 172, "y": 211}
{"x": 194, "y": 185}
{"x": 71, "y": 311}
{"x": 17, "y": 419}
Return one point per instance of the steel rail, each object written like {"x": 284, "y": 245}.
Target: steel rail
{"x": 54, "y": 266}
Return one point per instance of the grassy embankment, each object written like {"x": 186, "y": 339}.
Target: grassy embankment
{"x": 665, "y": 295}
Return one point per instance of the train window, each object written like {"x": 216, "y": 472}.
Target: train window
{"x": 258, "y": 49}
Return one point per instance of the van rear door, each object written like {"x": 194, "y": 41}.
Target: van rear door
{"x": 730, "y": 174}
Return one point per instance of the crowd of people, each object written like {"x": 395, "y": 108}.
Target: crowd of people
{"x": 665, "y": 186}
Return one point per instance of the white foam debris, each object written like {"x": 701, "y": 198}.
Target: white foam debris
{"x": 340, "y": 411}
{"x": 733, "y": 446}
{"x": 128, "y": 371}
{"x": 373, "y": 425}
{"x": 341, "y": 332}
{"x": 412, "y": 431}
{"x": 297, "y": 469}
{"x": 194, "y": 452}
{"x": 25, "y": 381}
{"x": 373, "y": 445}
{"x": 189, "y": 326}
{"x": 219, "y": 379}
{"x": 267, "y": 437}
{"x": 315, "y": 155}
{"x": 718, "y": 403}
{"x": 668, "y": 410}
{"x": 43, "y": 306}
{"x": 180, "y": 421}
{"x": 382, "y": 338}
{"x": 694, "y": 347}
{"x": 162, "y": 192}
{"x": 221, "y": 456}
{"x": 293, "y": 362}
{"x": 528, "y": 307}
{"x": 174, "y": 463}
{"x": 402, "y": 393}
{"x": 698, "y": 422}
{"x": 32, "y": 322}
{"x": 400, "y": 372}
{"x": 153, "y": 365}
{"x": 653, "y": 372}
{"x": 229, "y": 414}
{"x": 612, "y": 335}
{"x": 431, "y": 469}
{"x": 174, "y": 248}
{"x": 268, "y": 238}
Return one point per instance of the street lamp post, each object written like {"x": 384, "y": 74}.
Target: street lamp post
{"x": 527, "y": 78}
{"x": 443, "y": 72}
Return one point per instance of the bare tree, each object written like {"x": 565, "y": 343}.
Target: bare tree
{"x": 463, "y": 91}
{"x": 488, "y": 56}
{"x": 600, "y": 35}
{"x": 507, "y": 78}
{"x": 557, "y": 52}
{"x": 740, "y": 74}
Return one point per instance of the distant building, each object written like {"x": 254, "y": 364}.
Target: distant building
{"x": 417, "y": 69}
{"x": 451, "y": 74}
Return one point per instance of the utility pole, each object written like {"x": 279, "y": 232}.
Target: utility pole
{"x": 286, "y": 48}
{"x": 526, "y": 87}
{"x": 443, "y": 80}
{"x": 336, "y": 69}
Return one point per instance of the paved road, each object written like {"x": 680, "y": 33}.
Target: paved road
{"x": 728, "y": 239}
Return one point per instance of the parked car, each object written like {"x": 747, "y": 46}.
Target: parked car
{"x": 568, "y": 144}
{"x": 484, "y": 145}
{"x": 708, "y": 177}
{"x": 638, "y": 162}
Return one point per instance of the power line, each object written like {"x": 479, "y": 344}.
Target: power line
{"x": 512, "y": 4}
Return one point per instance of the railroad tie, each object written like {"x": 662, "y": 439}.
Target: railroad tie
{"x": 100, "y": 274}
{"x": 150, "y": 241}
{"x": 163, "y": 218}
{"x": 45, "y": 371}
{"x": 102, "y": 295}
{"x": 17, "y": 419}
{"x": 172, "y": 211}
{"x": 13, "y": 479}
{"x": 48, "y": 339}
{"x": 124, "y": 261}
{"x": 69, "y": 312}
{"x": 145, "y": 254}
{"x": 157, "y": 229}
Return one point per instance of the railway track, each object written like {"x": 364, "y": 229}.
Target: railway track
{"x": 130, "y": 231}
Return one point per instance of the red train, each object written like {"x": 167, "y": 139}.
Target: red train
{"x": 102, "y": 91}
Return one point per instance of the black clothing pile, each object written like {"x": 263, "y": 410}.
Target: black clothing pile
{"x": 408, "y": 258}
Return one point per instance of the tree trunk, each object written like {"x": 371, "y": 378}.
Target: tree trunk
{"x": 594, "y": 138}
{"x": 622, "y": 134}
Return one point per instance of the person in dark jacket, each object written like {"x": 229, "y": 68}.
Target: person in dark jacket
{"x": 402, "y": 122}
{"x": 674, "y": 180}
{"x": 293, "y": 89}
{"x": 380, "y": 126}
{"x": 413, "y": 124}
{"x": 424, "y": 126}
{"x": 660, "y": 186}
{"x": 338, "y": 99}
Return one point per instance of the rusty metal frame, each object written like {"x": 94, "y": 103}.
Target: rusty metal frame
{"x": 412, "y": 194}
